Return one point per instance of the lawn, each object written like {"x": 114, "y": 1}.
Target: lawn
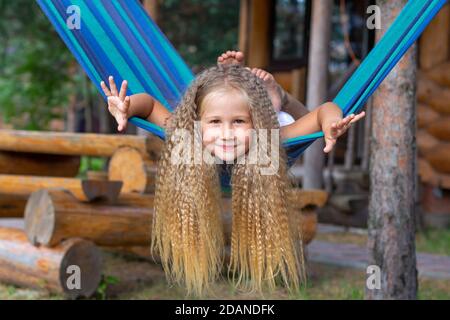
{"x": 129, "y": 277}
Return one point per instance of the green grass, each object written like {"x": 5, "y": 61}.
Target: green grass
{"x": 434, "y": 241}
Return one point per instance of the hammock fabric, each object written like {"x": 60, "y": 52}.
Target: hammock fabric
{"x": 117, "y": 37}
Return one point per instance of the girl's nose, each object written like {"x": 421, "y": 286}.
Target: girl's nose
{"x": 227, "y": 132}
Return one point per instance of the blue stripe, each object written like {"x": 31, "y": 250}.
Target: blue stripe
{"x": 154, "y": 36}
{"x": 60, "y": 24}
{"x": 138, "y": 71}
{"x": 155, "y": 74}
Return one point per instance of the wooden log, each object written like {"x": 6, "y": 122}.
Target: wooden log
{"x": 83, "y": 190}
{"x": 439, "y": 158}
{"x": 425, "y": 115}
{"x": 23, "y": 264}
{"x": 12, "y": 205}
{"x": 434, "y": 44}
{"x": 440, "y": 74}
{"x": 36, "y": 164}
{"x": 425, "y": 142}
{"x": 137, "y": 173}
{"x": 430, "y": 93}
{"x": 65, "y": 143}
{"x": 54, "y": 215}
{"x": 431, "y": 177}
{"x": 440, "y": 129}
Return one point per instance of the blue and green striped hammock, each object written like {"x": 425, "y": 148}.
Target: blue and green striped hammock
{"x": 118, "y": 38}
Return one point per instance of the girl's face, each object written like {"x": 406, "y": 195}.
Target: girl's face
{"x": 226, "y": 124}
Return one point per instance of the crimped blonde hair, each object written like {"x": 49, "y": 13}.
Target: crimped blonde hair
{"x": 187, "y": 231}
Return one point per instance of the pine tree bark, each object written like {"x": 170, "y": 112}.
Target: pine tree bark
{"x": 392, "y": 188}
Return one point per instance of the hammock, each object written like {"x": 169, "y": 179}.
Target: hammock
{"x": 118, "y": 38}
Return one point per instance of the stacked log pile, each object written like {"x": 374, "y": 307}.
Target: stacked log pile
{"x": 67, "y": 218}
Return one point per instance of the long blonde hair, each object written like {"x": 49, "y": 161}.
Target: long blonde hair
{"x": 187, "y": 231}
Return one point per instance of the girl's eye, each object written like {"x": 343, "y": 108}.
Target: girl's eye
{"x": 214, "y": 121}
{"x": 239, "y": 121}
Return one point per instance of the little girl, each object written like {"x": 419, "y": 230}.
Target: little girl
{"x": 227, "y": 102}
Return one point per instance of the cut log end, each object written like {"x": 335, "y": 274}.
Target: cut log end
{"x": 39, "y": 217}
{"x": 82, "y": 259}
{"x": 96, "y": 190}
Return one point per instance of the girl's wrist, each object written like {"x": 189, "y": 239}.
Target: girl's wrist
{"x": 329, "y": 113}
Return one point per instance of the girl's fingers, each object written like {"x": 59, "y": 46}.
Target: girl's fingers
{"x": 358, "y": 117}
{"x": 105, "y": 89}
{"x": 123, "y": 90}
{"x": 329, "y": 143}
{"x": 126, "y": 104}
{"x": 113, "y": 87}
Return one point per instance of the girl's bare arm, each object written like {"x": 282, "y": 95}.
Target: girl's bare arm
{"x": 326, "y": 118}
{"x": 313, "y": 121}
{"x": 144, "y": 106}
{"x": 141, "y": 105}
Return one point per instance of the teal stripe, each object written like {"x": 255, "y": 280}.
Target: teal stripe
{"x": 411, "y": 34}
{"x": 387, "y": 41}
{"x": 112, "y": 53}
{"x": 158, "y": 94}
{"x": 73, "y": 40}
{"x": 157, "y": 63}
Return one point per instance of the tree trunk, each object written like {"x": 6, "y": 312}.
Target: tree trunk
{"x": 391, "y": 206}
{"x": 317, "y": 93}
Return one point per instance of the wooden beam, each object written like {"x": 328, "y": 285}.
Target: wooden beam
{"x": 65, "y": 143}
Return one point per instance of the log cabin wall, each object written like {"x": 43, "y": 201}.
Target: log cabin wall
{"x": 433, "y": 120}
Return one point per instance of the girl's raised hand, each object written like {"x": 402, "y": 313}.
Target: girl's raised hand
{"x": 118, "y": 102}
{"x": 338, "y": 128}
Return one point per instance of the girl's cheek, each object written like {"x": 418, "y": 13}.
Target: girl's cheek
{"x": 210, "y": 135}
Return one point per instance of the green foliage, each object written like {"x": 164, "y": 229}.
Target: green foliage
{"x": 34, "y": 73}
{"x": 91, "y": 164}
{"x": 104, "y": 284}
{"x": 200, "y": 30}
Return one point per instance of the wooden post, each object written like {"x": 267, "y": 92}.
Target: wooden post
{"x": 391, "y": 220}
{"x": 254, "y": 30}
{"x": 43, "y": 268}
{"x": 317, "y": 91}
